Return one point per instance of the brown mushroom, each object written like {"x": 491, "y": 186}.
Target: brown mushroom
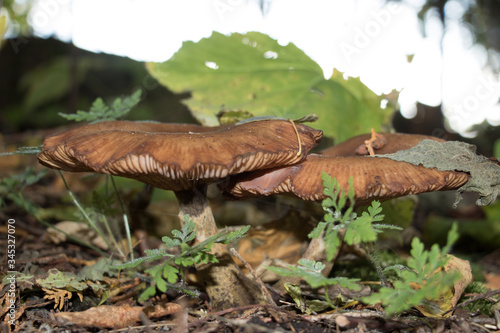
{"x": 379, "y": 178}
{"x": 184, "y": 158}
{"x": 373, "y": 178}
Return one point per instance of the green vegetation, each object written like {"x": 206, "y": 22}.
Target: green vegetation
{"x": 415, "y": 284}
{"x": 422, "y": 280}
{"x": 11, "y": 188}
{"x": 310, "y": 271}
{"x": 358, "y": 229}
{"x": 99, "y": 111}
{"x": 171, "y": 270}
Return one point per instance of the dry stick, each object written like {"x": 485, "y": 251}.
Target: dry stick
{"x": 257, "y": 278}
{"x": 368, "y": 143}
{"x": 215, "y": 315}
{"x": 473, "y": 299}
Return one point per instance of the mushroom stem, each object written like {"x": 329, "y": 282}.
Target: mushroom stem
{"x": 225, "y": 283}
{"x": 194, "y": 203}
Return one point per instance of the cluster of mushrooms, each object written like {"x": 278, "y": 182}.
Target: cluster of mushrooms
{"x": 250, "y": 158}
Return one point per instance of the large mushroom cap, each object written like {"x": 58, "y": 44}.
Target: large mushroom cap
{"x": 394, "y": 142}
{"x": 174, "y": 156}
{"x": 373, "y": 178}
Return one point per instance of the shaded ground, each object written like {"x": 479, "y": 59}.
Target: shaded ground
{"x": 49, "y": 300}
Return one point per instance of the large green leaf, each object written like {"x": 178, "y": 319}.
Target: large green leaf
{"x": 253, "y": 72}
{"x": 50, "y": 81}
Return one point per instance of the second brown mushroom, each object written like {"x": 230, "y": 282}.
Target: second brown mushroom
{"x": 184, "y": 159}
{"x": 373, "y": 179}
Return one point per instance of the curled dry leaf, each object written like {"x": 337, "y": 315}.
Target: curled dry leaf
{"x": 79, "y": 230}
{"x": 108, "y": 316}
{"x": 463, "y": 267}
{"x": 448, "y": 297}
{"x": 59, "y": 296}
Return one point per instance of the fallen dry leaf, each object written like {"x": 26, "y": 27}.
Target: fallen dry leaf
{"x": 280, "y": 239}
{"x": 109, "y": 316}
{"x": 448, "y": 297}
{"x": 78, "y": 230}
{"x": 463, "y": 267}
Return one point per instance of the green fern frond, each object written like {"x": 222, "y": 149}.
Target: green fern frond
{"x": 169, "y": 273}
{"x": 423, "y": 270}
{"x": 99, "y": 111}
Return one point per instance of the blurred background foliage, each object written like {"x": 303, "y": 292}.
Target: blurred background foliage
{"x": 17, "y": 12}
{"x": 480, "y": 17}
{"x": 64, "y": 78}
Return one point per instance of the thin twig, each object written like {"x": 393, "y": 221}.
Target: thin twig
{"x": 298, "y": 136}
{"x": 218, "y": 314}
{"x": 473, "y": 299}
{"x": 254, "y": 274}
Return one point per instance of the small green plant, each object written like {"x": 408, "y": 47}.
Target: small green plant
{"x": 310, "y": 271}
{"x": 339, "y": 219}
{"x": 96, "y": 216}
{"x": 11, "y": 188}
{"x": 357, "y": 229}
{"x": 102, "y": 216}
{"x": 169, "y": 273}
{"x": 421, "y": 281}
{"x": 99, "y": 111}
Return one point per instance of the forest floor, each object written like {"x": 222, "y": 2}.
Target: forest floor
{"x": 60, "y": 285}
